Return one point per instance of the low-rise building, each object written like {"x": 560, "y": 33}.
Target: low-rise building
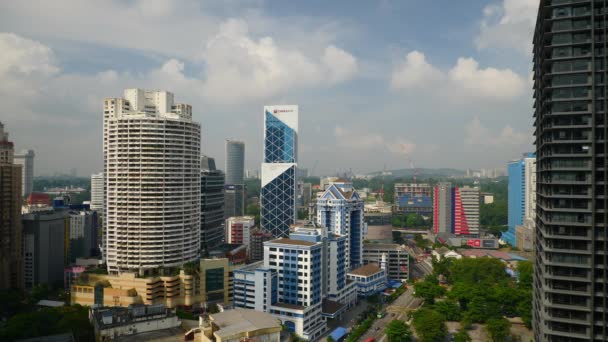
{"x": 370, "y": 279}
{"x": 115, "y": 322}
{"x": 524, "y": 235}
{"x": 443, "y": 252}
{"x": 240, "y": 325}
{"x": 397, "y": 259}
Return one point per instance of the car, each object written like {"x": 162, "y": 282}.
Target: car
{"x": 377, "y": 328}
{"x": 393, "y": 314}
{"x": 371, "y": 339}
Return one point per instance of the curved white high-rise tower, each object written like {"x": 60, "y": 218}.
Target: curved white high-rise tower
{"x": 152, "y": 182}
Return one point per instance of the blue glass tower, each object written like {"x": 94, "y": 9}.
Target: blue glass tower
{"x": 517, "y": 189}
{"x": 278, "y": 193}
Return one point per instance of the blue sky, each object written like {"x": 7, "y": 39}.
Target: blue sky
{"x": 444, "y": 83}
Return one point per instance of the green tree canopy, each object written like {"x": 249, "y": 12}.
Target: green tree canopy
{"x": 398, "y": 331}
{"x": 449, "y": 310}
{"x": 498, "y": 329}
{"x": 428, "y": 290}
{"x": 429, "y": 325}
{"x": 462, "y": 336}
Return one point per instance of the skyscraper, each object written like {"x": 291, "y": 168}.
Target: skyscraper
{"x": 456, "y": 210}
{"x": 97, "y": 192}
{"x": 234, "y": 200}
{"x": 153, "y": 182}
{"x": 26, "y": 160}
{"x": 212, "y": 205}
{"x": 278, "y": 193}
{"x": 521, "y": 194}
{"x": 11, "y": 259}
{"x": 340, "y": 209}
{"x": 571, "y": 270}
{"x": 235, "y": 162}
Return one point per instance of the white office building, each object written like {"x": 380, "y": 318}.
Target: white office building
{"x": 152, "y": 181}
{"x": 97, "y": 192}
{"x": 26, "y": 159}
{"x": 302, "y": 281}
{"x": 470, "y": 204}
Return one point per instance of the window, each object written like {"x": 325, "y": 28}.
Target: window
{"x": 214, "y": 279}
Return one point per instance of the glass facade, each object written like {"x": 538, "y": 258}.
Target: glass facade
{"x": 280, "y": 141}
{"x": 214, "y": 279}
{"x": 278, "y": 209}
{"x": 571, "y": 238}
{"x": 278, "y": 194}
{"x": 516, "y": 198}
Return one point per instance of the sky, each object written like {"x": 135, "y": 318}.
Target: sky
{"x": 392, "y": 83}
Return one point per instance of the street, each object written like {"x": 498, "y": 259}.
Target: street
{"x": 399, "y": 308}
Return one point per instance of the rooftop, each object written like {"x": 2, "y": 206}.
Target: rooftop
{"x": 480, "y": 253}
{"x": 288, "y": 306}
{"x": 292, "y": 242}
{"x": 331, "y": 307}
{"x": 231, "y": 322}
{"x": 383, "y": 246}
{"x": 366, "y": 270}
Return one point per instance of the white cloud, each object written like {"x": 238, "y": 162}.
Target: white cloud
{"x": 477, "y": 135}
{"x": 509, "y": 25}
{"x": 466, "y": 80}
{"x": 414, "y": 72}
{"x": 489, "y": 82}
{"x": 24, "y": 64}
{"x": 240, "y": 67}
{"x": 340, "y": 64}
{"x": 363, "y": 141}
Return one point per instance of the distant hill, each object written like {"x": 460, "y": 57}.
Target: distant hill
{"x": 423, "y": 173}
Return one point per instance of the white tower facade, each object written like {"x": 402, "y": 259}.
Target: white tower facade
{"x": 152, "y": 182}
{"x": 26, "y": 160}
{"x": 97, "y": 192}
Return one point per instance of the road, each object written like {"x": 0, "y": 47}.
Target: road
{"x": 400, "y": 307}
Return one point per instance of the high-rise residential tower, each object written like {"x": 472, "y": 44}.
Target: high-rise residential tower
{"x": 26, "y": 160}
{"x": 522, "y": 194}
{"x": 278, "y": 193}
{"x": 11, "y": 258}
{"x": 235, "y": 162}
{"x": 97, "y": 192}
{"x": 571, "y": 240}
{"x": 153, "y": 182}
{"x": 340, "y": 209}
{"x": 212, "y": 205}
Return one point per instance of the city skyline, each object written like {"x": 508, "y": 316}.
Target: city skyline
{"x": 348, "y": 56}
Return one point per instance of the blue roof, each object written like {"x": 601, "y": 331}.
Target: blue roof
{"x": 338, "y": 333}
{"x": 394, "y": 283}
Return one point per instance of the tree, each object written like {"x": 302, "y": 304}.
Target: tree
{"x": 429, "y": 325}
{"x": 397, "y": 331}
{"x": 449, "y": 310}
{"x": 462, "y": 336}
{"x": 498, "y": 328}
{"x": 397, "y": 238}
{"x": 428, "y": 290}
{"x": 524, "y": 270}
